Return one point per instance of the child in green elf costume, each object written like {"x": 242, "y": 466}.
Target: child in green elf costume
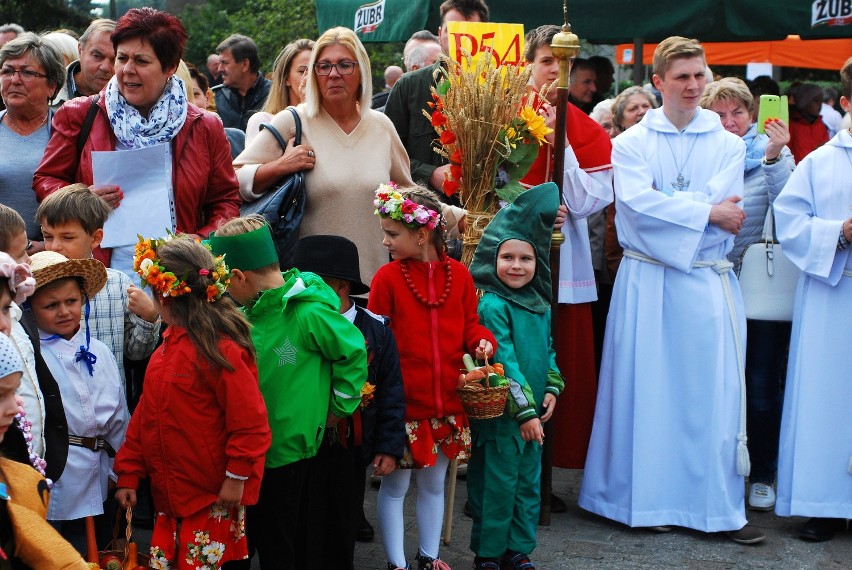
{"x": 511, "y": 266}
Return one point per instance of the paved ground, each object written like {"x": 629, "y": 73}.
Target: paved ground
{"x": 579, "y": 540}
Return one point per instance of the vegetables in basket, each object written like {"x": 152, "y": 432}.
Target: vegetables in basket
{"x": 481, "y": 377}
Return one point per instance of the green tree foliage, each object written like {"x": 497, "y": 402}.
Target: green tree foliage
{"x": 83, "y": 7}
{"x": 42, "y": 15}
{"x": 122, "y": 6}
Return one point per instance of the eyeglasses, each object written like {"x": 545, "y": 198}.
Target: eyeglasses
{"x": 26, "y": 74}
{"x": 342, "y": 67}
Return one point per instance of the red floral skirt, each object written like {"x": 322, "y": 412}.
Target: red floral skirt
{"x": 203, "y": 541}
{"x": 451, "y": 435}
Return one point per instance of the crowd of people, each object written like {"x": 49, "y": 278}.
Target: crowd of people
{"x": 243, "y": 402}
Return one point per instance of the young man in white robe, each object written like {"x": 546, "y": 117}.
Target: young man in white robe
{"x": 813, "y": 216}
{"x": 668, "y": 442}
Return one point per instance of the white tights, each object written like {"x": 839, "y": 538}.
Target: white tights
{"x": 430, "y": 509}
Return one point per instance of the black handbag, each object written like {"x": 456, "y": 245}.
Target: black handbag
{"x": 283, "y": 206}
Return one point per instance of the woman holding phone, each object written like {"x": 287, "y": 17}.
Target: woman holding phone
{"x": 768, "y": 165}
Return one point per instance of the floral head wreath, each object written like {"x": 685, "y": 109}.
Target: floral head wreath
{"x": 391, "y": 204}
{"x": 166, "y": 283}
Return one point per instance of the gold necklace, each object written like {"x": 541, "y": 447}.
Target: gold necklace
{"x": 17, "y": 128}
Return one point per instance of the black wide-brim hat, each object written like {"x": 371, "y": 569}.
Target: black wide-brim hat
{"x": 330, "y": 256}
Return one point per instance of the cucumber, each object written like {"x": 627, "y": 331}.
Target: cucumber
{"x": 468, "y": 362}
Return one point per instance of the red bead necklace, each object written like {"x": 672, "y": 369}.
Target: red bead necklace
{"x": 447, "y": 285}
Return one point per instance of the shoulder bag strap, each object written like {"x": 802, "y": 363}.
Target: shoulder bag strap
{"x": 83, "y": 135}
{"x": 297, "y": 139}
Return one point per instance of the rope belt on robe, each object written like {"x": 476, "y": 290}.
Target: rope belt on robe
{"x": 723, "y": 267}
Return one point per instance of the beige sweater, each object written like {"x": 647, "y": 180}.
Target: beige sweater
{"x": 342, "y": 185}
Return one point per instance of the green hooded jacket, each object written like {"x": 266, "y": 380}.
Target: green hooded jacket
{"x": 520, "y": 317}
{"x": 311, "y": 360}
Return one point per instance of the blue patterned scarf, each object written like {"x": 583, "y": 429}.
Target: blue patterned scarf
{"x": 164, "y": 120}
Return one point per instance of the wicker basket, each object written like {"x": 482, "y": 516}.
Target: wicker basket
{"x": 117, "y": 546}
{"x": 484, "y": 403}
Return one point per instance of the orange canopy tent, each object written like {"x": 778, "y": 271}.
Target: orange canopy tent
{"x": 792, "y": 52}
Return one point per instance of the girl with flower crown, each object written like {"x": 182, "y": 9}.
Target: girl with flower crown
{"x": 200, "y": 431}
{"x": 431, "y": 302}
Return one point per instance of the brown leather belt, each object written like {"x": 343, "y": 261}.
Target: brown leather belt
{"x": 93, "y": 443}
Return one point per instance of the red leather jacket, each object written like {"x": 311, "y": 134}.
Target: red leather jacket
{"x": 205, "y": 187}
{"x": 194, "y": 423}
{"x": 431, "y": 340}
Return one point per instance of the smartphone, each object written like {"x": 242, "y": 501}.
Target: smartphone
{"x": 772, "y": 107}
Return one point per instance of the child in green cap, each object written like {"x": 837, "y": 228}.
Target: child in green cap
{"x": 503, "y": 479}
{"x": 312, "y": 364}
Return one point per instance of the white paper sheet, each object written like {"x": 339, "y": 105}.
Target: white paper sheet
{"x": 144, "y": 176}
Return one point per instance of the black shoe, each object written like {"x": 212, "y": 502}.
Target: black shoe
{"x": 557, "y": 505}
{"x": 819, "y": 529}
{"x": 486, "y": 563}
{"x": 365, "y": 532}
{"x": 746, "y": 535}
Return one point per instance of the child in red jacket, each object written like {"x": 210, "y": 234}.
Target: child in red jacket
{"x": 431, "y": 302}
{"x": 200, "y": 431}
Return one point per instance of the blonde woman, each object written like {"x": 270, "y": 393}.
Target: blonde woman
{"x": 290, "y": 67}
{"x": 347, "y": 148}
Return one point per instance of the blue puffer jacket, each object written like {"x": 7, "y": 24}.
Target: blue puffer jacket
{"x": 762, "y": 184}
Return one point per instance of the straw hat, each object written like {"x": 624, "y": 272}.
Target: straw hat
{"x": 48, "y": 266}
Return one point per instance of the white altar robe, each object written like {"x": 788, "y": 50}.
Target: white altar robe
{"x": 585, "y": 193}
{"x": 815, "y": 453}
{"x": 663, "y": 445}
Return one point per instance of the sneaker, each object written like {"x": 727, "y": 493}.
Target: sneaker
{"x": 517, "y": 561}
{"x": 427, "y": 563}
{"x": 761, "y": 497}
{"x": 746, "y": 535}
{"x": 660, "y": 529}
{"x": 485, "y": 563}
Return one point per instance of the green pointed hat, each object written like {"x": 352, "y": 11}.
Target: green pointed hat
{"x": 529, "y": 218}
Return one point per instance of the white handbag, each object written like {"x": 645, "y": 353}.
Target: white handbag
{"x": 768, "y": 280}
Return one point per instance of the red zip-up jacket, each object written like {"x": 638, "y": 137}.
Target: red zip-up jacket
{"x": 193, "y": 424}
{"x": 431, "y": 341}
{"x": 205, "y": 186}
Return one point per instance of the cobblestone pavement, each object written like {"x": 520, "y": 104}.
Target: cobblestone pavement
{"x": 580, "y": 540}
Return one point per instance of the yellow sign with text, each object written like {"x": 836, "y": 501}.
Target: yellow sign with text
{"x": 502, "y": 42}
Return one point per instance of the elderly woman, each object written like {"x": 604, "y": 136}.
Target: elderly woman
{"x": 144, "y": 105}
{"x": 347, "y": 148}
{"x": 768, "y": 166}
{"x": 31, "y": 73}
{"x": 290, "y": 67}
{"x": 630, "y": 106}
{"x": 602, "y": 115}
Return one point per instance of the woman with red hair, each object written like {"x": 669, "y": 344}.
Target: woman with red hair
{"x": 143, "y": 105}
